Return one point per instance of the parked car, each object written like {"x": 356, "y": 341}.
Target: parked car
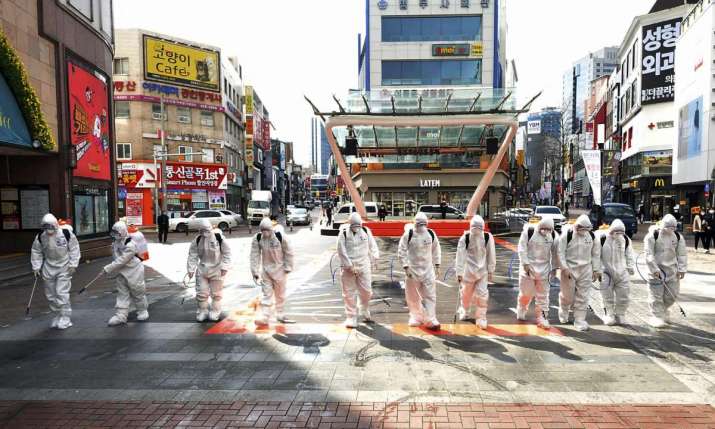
{"x": 236, "y": 216}
{"x": 553, "y": 212}
{"x": 298, "y": 216}
{"x": 191, "y": 221}
{"x": 434, "y": 211}
{"x": 343, "y": 213}
{"x": 612, "y": 211}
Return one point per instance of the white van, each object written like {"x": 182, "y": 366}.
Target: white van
{"x": 341, "y": 216}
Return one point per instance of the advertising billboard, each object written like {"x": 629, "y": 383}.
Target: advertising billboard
{"x": 693, "y": 158}
{"x": 182, "y": 64}
{"x": 658, "y": 65}
{"x": 89, "y": 107}
{"x": 534, "y": 127}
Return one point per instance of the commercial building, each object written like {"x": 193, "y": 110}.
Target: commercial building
{"x": 257, "y": 145}
{"x": 162, "y": 113}
{"x": 319, "y": 148}
{"x": 56, "y": 128}
{"x": 234, "y": 133}
{"x": 694, "y": 150}
{"x": 420, "y": 56}
{"x": 543, "y": 149}
{"x": 646, "y": 113}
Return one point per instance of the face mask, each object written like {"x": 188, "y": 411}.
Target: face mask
{"x": 115, "y": 235}
{"x": 49, "y": 229}
{"x": 206, "y": 233}
{"x": 354, "y": 228}
{"x": 670, "y": 229}
{"x": 420, "y": 227}
{"x": 266, "y": 234}
{"x": 581, "y": 230}
{"x": 544, "y": 231}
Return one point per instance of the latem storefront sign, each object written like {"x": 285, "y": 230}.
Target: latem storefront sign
{"x": 429, "y": 183}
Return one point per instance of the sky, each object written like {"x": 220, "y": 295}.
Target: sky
{"x": 292, "y": 48}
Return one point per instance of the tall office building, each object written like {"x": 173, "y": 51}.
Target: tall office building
{"x": 577, "y": 84}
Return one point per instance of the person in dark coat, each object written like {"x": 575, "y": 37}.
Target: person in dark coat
{"x": 163, "y": 222}
{"x": 443, "y": 209}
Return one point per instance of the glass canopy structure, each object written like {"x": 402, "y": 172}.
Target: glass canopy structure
{"x": 405, "y": 125}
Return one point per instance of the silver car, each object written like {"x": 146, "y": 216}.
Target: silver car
{"x": 191, "y": 221}
{"x": 434, "y": 211}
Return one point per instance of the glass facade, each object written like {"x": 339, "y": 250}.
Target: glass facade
{"x": 431, "y": 28}
{"x": 432, "y": 72}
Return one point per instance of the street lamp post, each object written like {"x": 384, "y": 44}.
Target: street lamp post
{"x": 163, "y": 150}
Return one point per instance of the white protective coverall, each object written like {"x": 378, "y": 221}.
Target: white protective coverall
{"x": 358, "y": 252}
{"x": 618, "y": 262}
{"x": 420, "y": 256}
{"x": 580, "y": 260}
{"x": 55, "y": 259}
{"x": 538, "y": 257}
{"x": 209, "y": 259}
{"x": 667, "y": 261}
{"x": 128, "y": 271}
{"x": 271, "y": 261}
{"x": 475, "y": 265}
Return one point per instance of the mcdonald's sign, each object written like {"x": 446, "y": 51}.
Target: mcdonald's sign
{"x": 659, "y": 183}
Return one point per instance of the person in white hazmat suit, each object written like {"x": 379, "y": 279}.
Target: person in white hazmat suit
{"x": 538, "y": 259}
{"x": 55, "y": 257}
{"x": 420, "y": 254}
{"x": 358, "y": 253}
{"x": 580, "y": 259}
{"x": 128, "y": 271}
{"x": 209, "y": 259}
{"x": 667, "y": 260}
{"x": 475, "y": 264}
{"x": 271, "y": 261}
{"x": 618, "y": 262}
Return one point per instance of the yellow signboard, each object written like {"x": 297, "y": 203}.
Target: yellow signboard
{"x": 249, "y": 100}
{"x": 248, "y": 151}
{"x": 477, "y": 50}
{"x": 181, "y": 64}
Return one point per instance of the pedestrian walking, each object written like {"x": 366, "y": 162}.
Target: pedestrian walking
{"x": 538, "y": 260}
{"x": 210, "y": 259}
{"x": 127, "y": 269}
{"x": 420, "y": 254}
{"x": 580, "y": 258}
{"x": 55, "y": 257}
{"x": 162, "y": 222}
{"x": 443, "y": 209}
{"x": 475, "y": 265}
{"x": 358, "y": 252}
{"x": 667, "y": 260}
{"x": 699, "y": 228}
{"x": 382, "y": 213}
{"x": 271, "y": 262}
{"x": 709, "y": 229}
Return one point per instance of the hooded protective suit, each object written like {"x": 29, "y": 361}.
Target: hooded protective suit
{"x": 358, "y": 252}
{"x": 474, "y": 265}
{"x": 210, "y": 259}
{"x": 618, "y": 264}
{"x": 419, "y": 253}
{"x": 538, "y": 257}
{"x": 271, "y": 261}
{"x": 128, "y": 270}
{"x": 580, "y": 259}
{"x": 667, "y": 261}
{"x": 55, "y": 259}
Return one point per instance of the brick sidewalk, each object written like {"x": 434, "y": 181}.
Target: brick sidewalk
{"x": 25, "y": 414}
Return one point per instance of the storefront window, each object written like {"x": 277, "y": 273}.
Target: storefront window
{"x": 91, "y": 211}
{"x": 401, "y": 203}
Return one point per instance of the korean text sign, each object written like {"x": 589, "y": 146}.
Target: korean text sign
{"x": 658, "y": 64}
{"x": 89, "y": 105}
{"x": 179, "y": 63}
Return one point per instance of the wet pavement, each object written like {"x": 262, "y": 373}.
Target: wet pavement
{"x": 172, "y": 358}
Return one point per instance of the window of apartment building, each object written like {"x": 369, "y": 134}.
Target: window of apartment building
{"x": 183, "y": 115}
{"x": 633, "y": 54}
{"x": 207, "y": 118}
{"x": 121, "y": 66}
{"x": 634, "y": 94}
{"x": 121, "y": 109}
{"x": 124, "y": 151}
{"x": 431, "y": 28}
{"x": 184, "y": 150}
{"x": 156, "y": 112}
{"x": 432, "y": 72}
{"x": 208, "y": 156}
{"x": 105, "y": 16}
{"x": 82, "y": 6}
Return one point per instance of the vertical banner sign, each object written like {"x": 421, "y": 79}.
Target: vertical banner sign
{"x": 89, "y": 106}
{"x": 658, "y": 67}
{"x": 134, "y": 208}
{"x": 592, "y": 162}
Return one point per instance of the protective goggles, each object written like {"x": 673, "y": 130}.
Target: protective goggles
{"x": 49, "y": 227}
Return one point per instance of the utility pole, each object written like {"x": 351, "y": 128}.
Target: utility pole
{"x": 165, "y": 151}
